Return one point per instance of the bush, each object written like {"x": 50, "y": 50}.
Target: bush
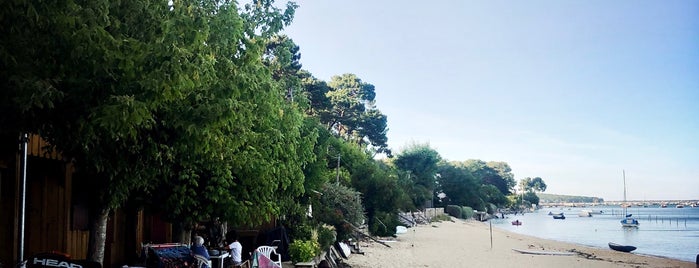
{"x": 303, "y": 250}
{"x": 467, "y": 212}
{"x": 440, "y": 217}
{"x": 455, "y": 211}
{"x": 326, "y": 237}
{"x": 302, "y": 232}
{"x": 383, "y": 224}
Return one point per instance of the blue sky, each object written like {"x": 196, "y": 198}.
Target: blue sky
{"x": 573, "y": 92}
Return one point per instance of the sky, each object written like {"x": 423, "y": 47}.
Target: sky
{"x": 574, "y": 92}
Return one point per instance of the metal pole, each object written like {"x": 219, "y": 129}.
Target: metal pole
{"x": 23, "y": 139}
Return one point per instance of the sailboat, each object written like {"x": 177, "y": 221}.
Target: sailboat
{"x": 628, "y": 221}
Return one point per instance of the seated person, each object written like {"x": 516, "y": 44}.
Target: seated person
{"x": 199, "y": 249}
{"x": 236, "y": 249}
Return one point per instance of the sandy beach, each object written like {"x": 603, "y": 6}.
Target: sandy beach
{"x": 467, "y": 244}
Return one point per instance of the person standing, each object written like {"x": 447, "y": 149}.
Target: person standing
{"x": 236, "y": 249}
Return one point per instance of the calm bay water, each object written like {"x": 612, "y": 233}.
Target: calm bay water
{"x": 667, "y": 232}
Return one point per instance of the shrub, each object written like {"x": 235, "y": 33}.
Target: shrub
{"x": 326, "y": 237}
{"x": 440, "y": 217}
{"x": 383, "y": 224}
{"x": 455, "y": 211}
{"x": 467, "y": 212}
{"x": 303, "y": 250}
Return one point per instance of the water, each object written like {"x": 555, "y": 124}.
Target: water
{"x": 666, "y": 232}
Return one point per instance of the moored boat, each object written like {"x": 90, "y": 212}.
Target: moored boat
{"x": 559, "y": 216}
{"x": 517, "y": 222}
{"x": 622, "y": 248}
{"x": 627, "y": 221}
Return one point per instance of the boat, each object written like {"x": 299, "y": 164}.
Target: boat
{"x": 628, "y": 221}
{"x": 622, "y": 248}
{"x": 517, "y": 222}
{"x": 679, "y": 206}
{"x": 557, "y": 213}
{"x": 559, "y": 216}
{"x": 585, "y": 213}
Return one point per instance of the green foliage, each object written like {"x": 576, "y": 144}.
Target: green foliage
{"x": 493, "y": 173}
{"x": 149, "y": 96}
{"x": 339, "y": 206}
{"x": 536, "y": 184}
{"x": 490, "y": 194}
{"x": 326, "y": 237}
{"x": 554, "y": 198}
{"x": 531, "y": 198}
{"x": 440, "y": 218}
{"x": 347, "y": 107}
{"x": 383, "y": 224}
{"x": 459, "y": 185}
{"x": 302, "y": 232}
{"x": 420, "y": 163}
{"x": 467, "y": 212}
{"x": 454, "y": 211}
{"x": 303, "y": 250}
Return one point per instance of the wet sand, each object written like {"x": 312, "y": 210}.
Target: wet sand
{"x": 460, "y": 243}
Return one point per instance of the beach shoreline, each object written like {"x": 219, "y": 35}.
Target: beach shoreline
{"x": 460, "y": 243}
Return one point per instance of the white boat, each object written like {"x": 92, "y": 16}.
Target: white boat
{"x": 628, "y": 221}
{"x": 585, "y": 213}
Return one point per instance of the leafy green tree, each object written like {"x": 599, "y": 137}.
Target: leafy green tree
{"x": 143, "y": 95}
{"x": 459, "y": 186}
{"x": 420, "y": 162}
{"x": 506, "y": 180}
{"x": 338, "y": 206}
{"x": 536, "y": 184}
{"x": 353, "y": 114}
{"x": 530, "y": 198}
{"x": 492, "y": 195}
{"x": 490, "y": 175}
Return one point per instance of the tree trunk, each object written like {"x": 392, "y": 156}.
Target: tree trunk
{"x": 98, "y": 236}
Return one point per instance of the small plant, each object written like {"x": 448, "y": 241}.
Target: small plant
{"x": 326, "y": 237}
{"x": 455, "y": 211}
{"x": 303, "y": 250}
{"x": 440, "y": 218}
{"x": 467, "y": 212}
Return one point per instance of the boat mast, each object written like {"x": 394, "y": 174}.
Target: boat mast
{"x": 624, "y": 174}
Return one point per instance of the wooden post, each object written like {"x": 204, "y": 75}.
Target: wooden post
{"x": 491, "y": 234}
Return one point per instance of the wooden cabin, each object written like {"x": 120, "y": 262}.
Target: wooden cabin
{"x": 56, "y": 218}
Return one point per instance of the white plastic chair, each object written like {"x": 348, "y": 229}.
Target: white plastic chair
{"x": 268, "y": 251}
{"x": 201, "y": 260}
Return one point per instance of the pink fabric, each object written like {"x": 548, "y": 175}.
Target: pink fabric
{"x": 264, "y": 262}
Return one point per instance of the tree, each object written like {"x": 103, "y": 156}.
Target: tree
{"x": 491, "y": 173}
{"x": 338, "y": 206}
{"x": 459, "y": 186}
{"x": 353, "y": 114}
{"x": 144, "y": 95}
{"x": 420, "y": 162}
{"x": 506, "y": 177}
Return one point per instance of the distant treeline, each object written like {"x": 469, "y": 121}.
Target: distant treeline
{"x": 555, "y": 198}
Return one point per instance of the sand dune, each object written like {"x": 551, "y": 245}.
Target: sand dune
{"x": 468, "y": 244}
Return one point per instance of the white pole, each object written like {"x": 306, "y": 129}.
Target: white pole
{"x": 23, "y": 139}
